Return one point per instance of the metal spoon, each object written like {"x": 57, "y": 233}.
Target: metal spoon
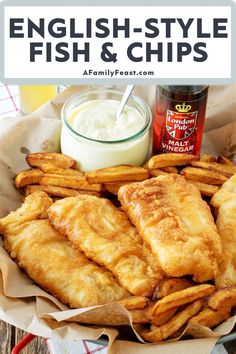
{"x": 124, "y": 100}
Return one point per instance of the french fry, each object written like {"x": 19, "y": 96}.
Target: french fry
{"x": 223, "y": 299}
{"x": 164, "y": 288}
{"x": 182, "y": 297}
{"x": 224, "y": 160}
{"x": 166, "y": 330}
{"x": 157, "y": 172}
{"x": 227, "y": 170}
{"x": 162, "y": 318}
{"x": 138, "y": 317}
{"x": 171, "y": 285}
{"x": 181, "y": 318}
{"x": 33, "y": 188}
{"x": 209, "y": 318}
{"x": 177, "y": 333}
{"x": 204, "y": 176}
{"x": 59, "y": 160}
{"x": 205, "y": 189}
{"x": 134, "y": 302}
{"x": 172, "y": 159}
{"x": 58, "y": 191}
{"x": 74, "y": 182}
{"x": 88, "y": 192}
{"x": 50, "y": 168}
{"x": 208, "y": 158}
{"x": 114, "y": 187}
{"x": 26, "y": 177}
{"x": 148, "y": 312}
{"x": 117, "y": 174}
{"x": 170, "y": 169}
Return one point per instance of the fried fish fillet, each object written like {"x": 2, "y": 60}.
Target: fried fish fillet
{"x": 105, "y": 235}
{"x": 225, "y": 203}
{"x": 51, "y": 261}
{"x": 172, "y": 218}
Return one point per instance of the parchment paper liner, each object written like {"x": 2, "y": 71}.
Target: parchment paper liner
{"x": 24, "y": 304}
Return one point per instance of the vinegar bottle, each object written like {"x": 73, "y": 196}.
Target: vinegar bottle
{"x": 179, "y": 119}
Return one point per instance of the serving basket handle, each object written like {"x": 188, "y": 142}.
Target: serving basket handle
{"x": 23, "y": 343}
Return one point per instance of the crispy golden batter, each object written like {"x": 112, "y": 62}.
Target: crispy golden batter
{"x": 105, "y": 235}
{"x": 225, "y": 203}
{"x": 177, "y": 224}
{"x": 51, "y": 261}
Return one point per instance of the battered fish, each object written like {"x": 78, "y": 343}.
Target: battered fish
{"x": 172, "y": 218}
{"x": 51, "y": 261}
{"x": 225, "y": 203}
{"x": 105, "y": 235}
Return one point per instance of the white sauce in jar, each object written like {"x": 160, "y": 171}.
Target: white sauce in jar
{"x": 97, "y": 120}
{"x": 127, "y": 140}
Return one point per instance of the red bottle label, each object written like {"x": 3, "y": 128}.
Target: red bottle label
{"x": 178, "y": 126}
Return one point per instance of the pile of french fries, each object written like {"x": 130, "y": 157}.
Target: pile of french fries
{"x": 56, "y": 174}
{"x": 179, "y": 302}
{"x": 176, "y": 301}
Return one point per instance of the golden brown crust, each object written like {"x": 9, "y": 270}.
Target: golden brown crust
{"x": 34, "y": 207}
{"x": 105, "y": 234}
{"x": 176, "y": 223}
{"x": 51, "y": 261}
{"x": 224, "y": 202}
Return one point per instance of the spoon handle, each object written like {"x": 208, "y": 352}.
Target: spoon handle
{"x": 125, "y": 98}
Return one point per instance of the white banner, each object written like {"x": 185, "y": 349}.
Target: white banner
{"x": 117, "y": 42}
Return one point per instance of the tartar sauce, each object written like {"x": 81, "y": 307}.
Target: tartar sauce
{"x": 96, "y": 119}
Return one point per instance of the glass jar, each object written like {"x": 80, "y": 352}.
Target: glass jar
{"x": 91, "y": 153}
